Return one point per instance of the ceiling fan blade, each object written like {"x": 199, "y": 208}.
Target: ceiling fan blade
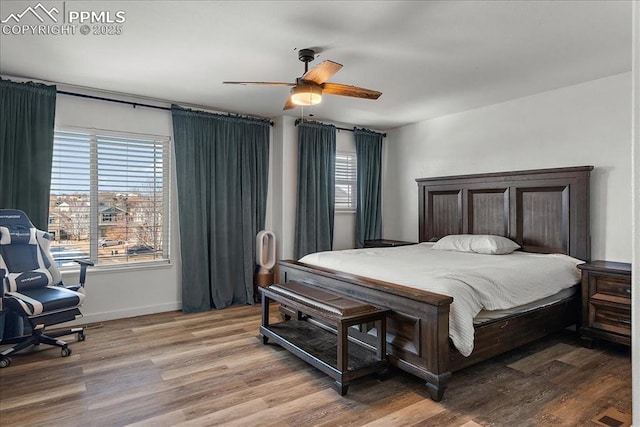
{"x": 260, "y": 83}
{"x": 346, "y": 90}
{"x": 289, "y": 104}
{"x": 322, "y": 72}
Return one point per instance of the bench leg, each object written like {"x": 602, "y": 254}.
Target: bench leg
{"x": 265, "y": 316}
{"x": 341, "y": 387}
{"x": 343, "y": 347}
{"x": 381, "y": 350}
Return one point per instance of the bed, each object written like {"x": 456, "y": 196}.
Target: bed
{"x": 544, "y": 211}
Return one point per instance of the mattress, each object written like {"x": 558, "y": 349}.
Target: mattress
{"x": 476, "y": 282}
{"x": 486, "y": 316}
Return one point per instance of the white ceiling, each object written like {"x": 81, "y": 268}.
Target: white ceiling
{"x": 427, "y": 58}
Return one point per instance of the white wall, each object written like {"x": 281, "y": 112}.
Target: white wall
{"x": 584, "y": 124}
{"x": 635, "y": 161}
{"x": 284, "y": 167}
{"x": 117, "y": 293}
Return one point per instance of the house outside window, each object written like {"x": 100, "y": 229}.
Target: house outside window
{"x": 109, "y": 197}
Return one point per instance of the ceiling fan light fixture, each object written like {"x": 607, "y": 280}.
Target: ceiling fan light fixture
{"x": 306, "y": 95}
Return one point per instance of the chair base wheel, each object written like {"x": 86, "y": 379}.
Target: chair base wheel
{"x": 4, "y": 362}
{"x": 65, "y": 351}
{"x": 81, "y": 336}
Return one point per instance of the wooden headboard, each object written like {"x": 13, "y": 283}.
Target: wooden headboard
{"x": 544, "y": 210}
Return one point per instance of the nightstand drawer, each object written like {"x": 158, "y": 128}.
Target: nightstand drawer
{"x": 610, "y": 285}
{"x": 610, "y": 317}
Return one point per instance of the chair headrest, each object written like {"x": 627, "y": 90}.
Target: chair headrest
{"x": 10, "y": 217}
{"x": 16, "y": 227}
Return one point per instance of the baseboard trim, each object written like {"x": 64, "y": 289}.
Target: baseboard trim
{"x": 123, "y": 314}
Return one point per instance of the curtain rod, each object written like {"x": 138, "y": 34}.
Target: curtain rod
{"x": 137, "y": 104}
{"x": 101, "y": 98}
{"x": 298, "y": 121}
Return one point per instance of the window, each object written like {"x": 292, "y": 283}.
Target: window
{"x": 346, "y": 176}
{"x": 109, "y": 197}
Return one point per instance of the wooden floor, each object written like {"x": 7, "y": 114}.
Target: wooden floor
{"x": 211, "y": 369}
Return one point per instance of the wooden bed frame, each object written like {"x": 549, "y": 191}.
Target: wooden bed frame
{"x": 545, "y": 211}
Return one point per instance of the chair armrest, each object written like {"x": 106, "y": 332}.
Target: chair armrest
{"x": 3, "y": 274}
{"x": 83, "y": 269}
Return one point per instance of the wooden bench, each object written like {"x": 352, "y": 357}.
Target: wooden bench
{"x": 316, "y": 342}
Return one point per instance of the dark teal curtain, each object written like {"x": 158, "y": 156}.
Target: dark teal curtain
{"x": 222, "y": 165}
{"x": 316, "y": 188}
{"x": 369, "y": 182}
{"x": 27, "y": 114}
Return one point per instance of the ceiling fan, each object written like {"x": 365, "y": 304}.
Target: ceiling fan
{"x": 308, "y": 89}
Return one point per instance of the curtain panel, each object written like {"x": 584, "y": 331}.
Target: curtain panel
{"x": 27, "y": 115}
{"x": 369, "y": 185}
{"x": 316, "y": 188}
{"x": 222, "y": 167}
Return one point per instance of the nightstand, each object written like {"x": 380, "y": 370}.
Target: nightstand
{"x": 606, "y": 302}
{"x": 385, "y": 243}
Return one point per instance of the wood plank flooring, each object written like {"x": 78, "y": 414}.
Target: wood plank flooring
{"x": 211, "y": 369}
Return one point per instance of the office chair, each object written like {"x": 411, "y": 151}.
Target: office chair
{"x": 32, "y": 289}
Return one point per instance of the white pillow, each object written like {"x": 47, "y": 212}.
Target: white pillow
{"x": 478, "y": 243}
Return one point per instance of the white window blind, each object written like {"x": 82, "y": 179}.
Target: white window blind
{"x": 346, "y": 177}
{"x": 109, "y": 198}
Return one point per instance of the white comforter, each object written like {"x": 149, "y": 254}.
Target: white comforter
{"x": 475, "y": 281}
